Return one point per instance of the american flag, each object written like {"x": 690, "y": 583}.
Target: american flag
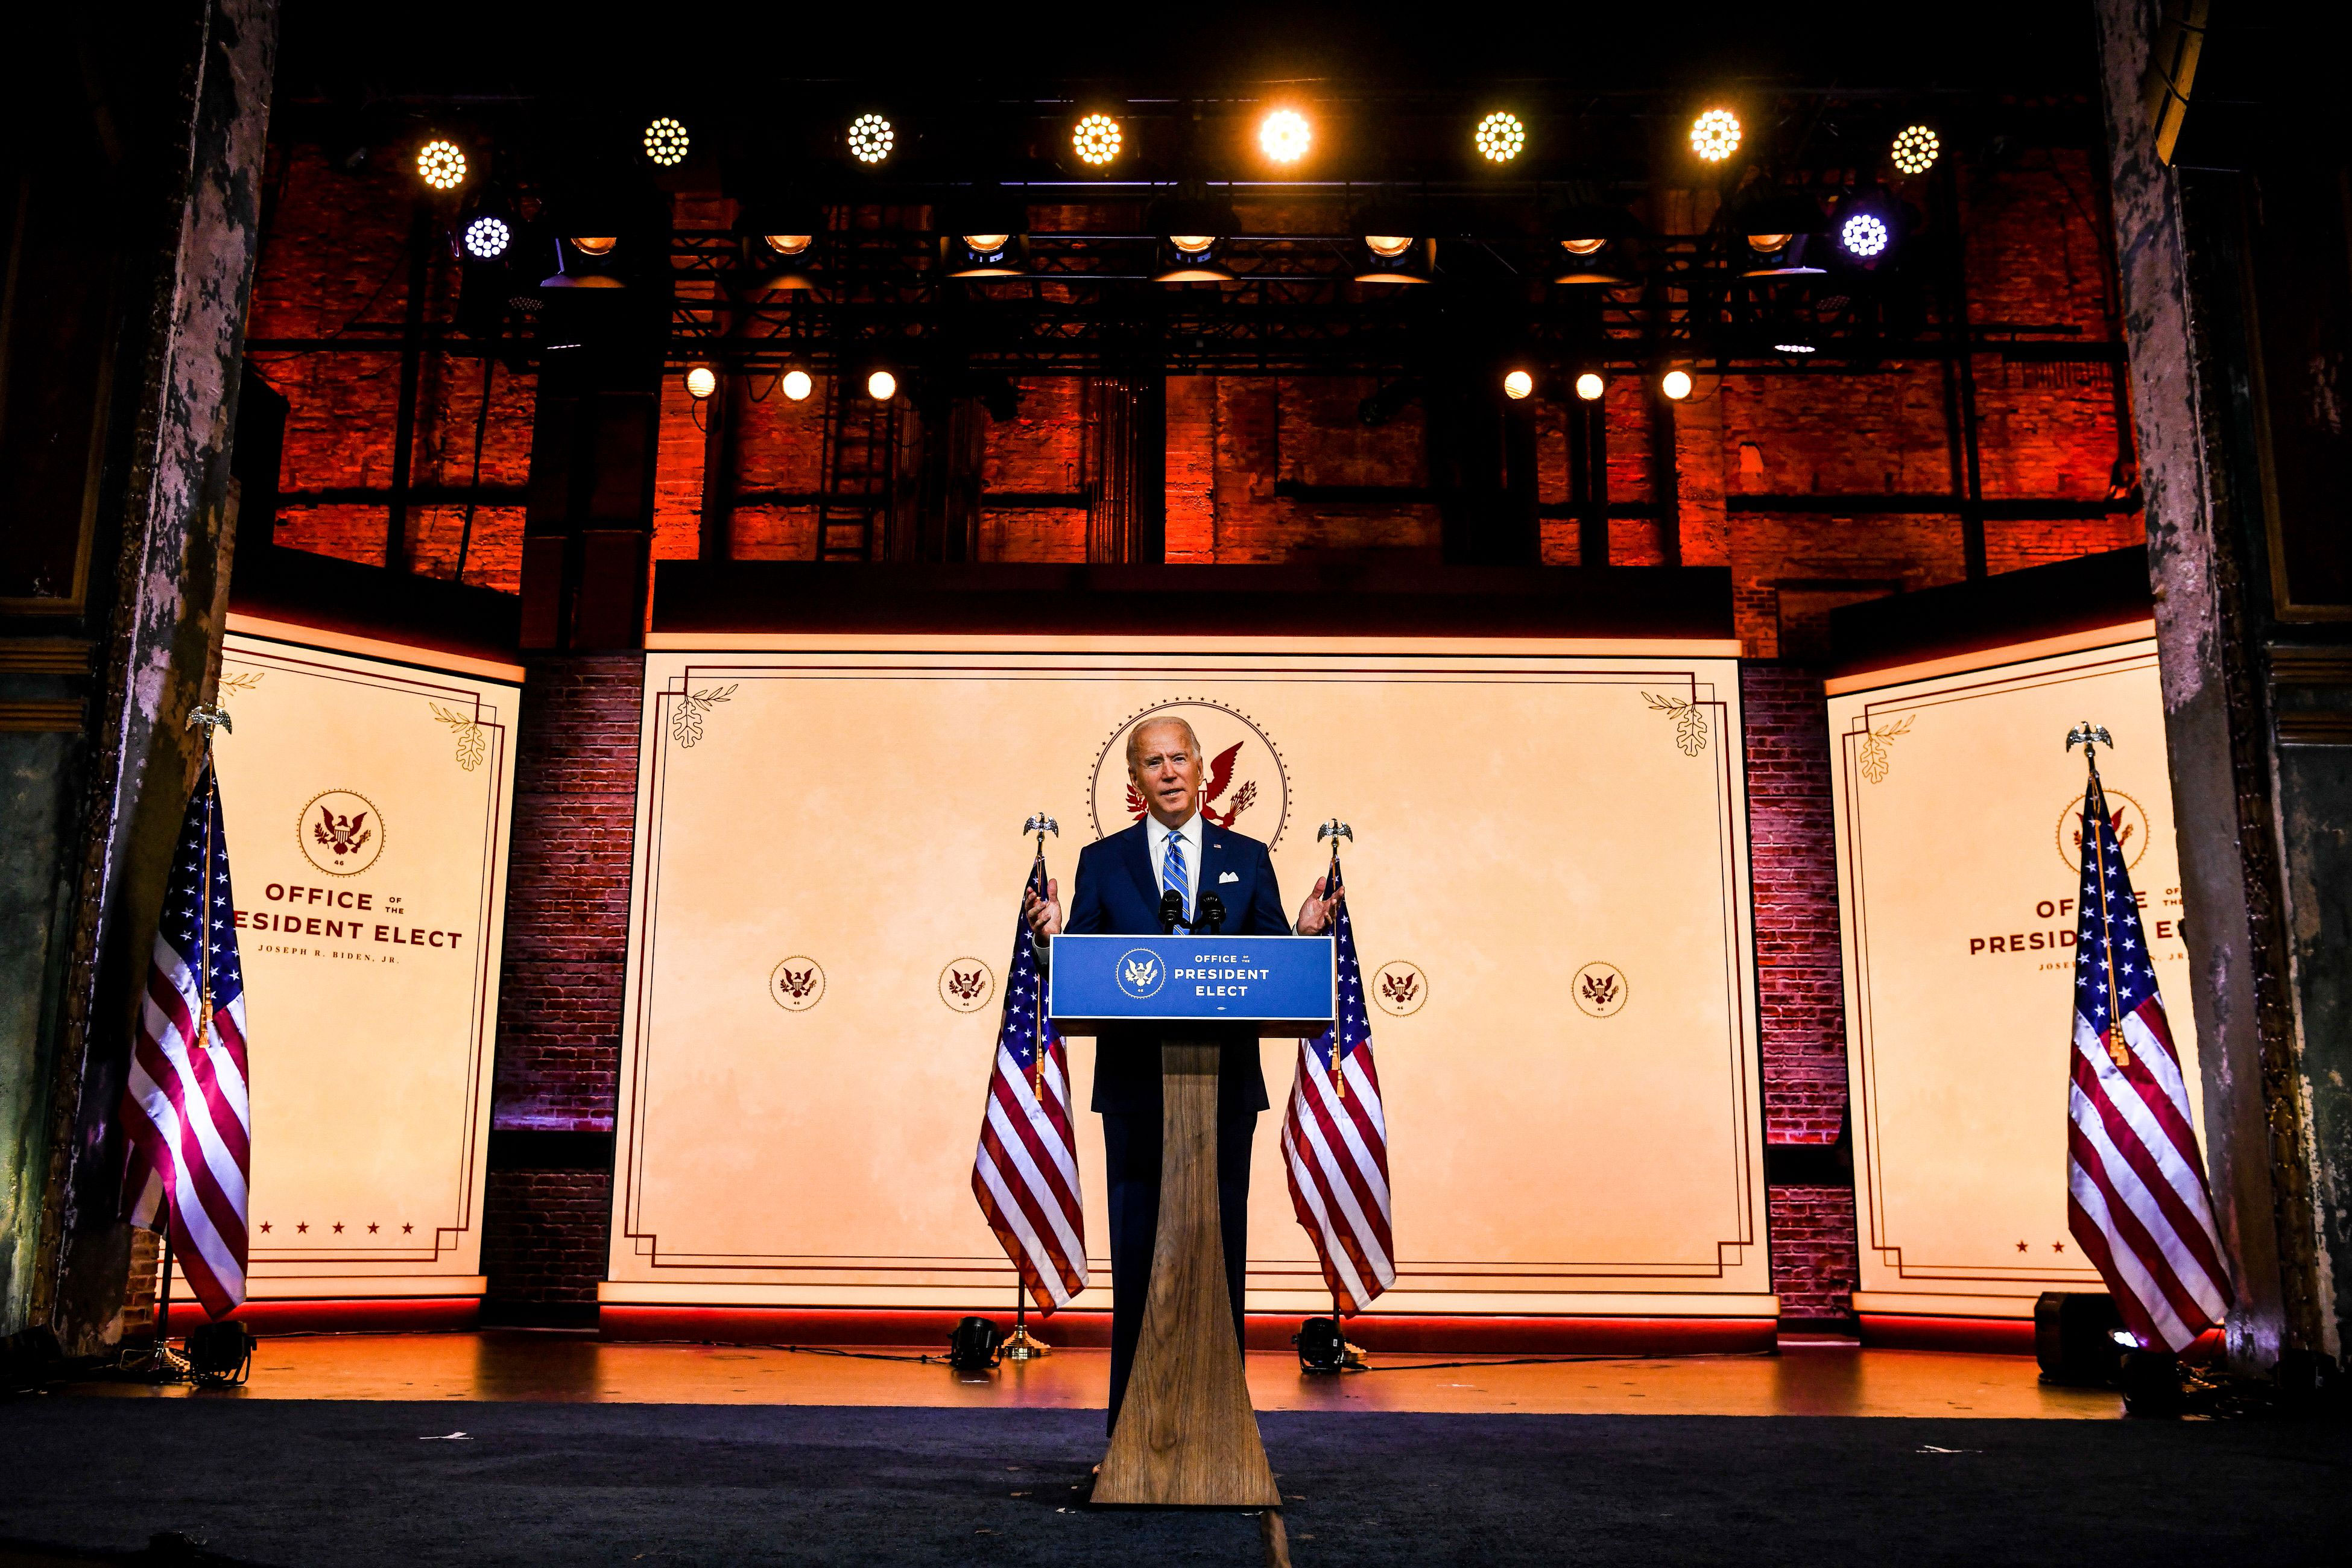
{"x": 1026, "y": 1174}
{"x": 184, "y": 1109}
{"x": 1335, "y": 1142}
{"x": 2138, "y": 1202}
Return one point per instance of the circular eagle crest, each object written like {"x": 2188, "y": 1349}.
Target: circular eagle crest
{"x": 796, "y": 984}
{"x": 1400, "y": 988}
{"x": 2130, "y": 824}
{"x": 1140, "y": 973}
{"x": 1244, "y": 785}
{"x": 966, "y": 984}
{"x": 1599, "y": 989}
{"x": 340, "y": 831}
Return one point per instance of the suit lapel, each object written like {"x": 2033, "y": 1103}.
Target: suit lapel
{"x": 1213, "y": 850}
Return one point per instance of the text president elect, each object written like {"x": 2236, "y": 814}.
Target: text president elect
{"x": 1121, "y": 880}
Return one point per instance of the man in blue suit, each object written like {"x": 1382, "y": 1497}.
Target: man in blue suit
{"x": 1122, "y": 881}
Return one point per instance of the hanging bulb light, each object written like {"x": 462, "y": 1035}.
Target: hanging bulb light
{"x": 701, "y": 382}
{"x": 1589, "y": 386}
{"x": 797, "y": 386}
{"x": 1675, "y": 384}
{"x": 881, "y": 386}
{"x": 1518, "y": 386}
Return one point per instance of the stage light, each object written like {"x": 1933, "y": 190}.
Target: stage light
{"x": 797, "y": 386}
{"x": 1794, "y": 346}
{"x": 1388, "y": 246}
{"x": 1193, "y": 243}
{"x": 594, "y": 244}
{"x": 1096, "y": 139}
{"x": 881, "y": 386}
{"x": 1518, "y": 385}
{"x": 1714, "y": 135}
{"x": 1766, "y": 244}
{"x": 701, "y": 382}
{"x": 788, "y": 243}
{"x": 1190, "y": 230}
{"x": 441, "y": 163}
{"x": 1500, "y": 137}
{"x": 987, "y": 244}
{"x": 1589, "y": 386}
{"x": 487, "y": 237}
{"x": 666, "y": 142}
{"x": 1583, "y": 232}
{"x": 1583, "y": 247}
{"x": 871, "y": 138}
{"x": 1915, "y": 148}
{"x": 1285, "y": 135}
{"x": 1865, "y": 234}
{"x": 1675, "y": 384}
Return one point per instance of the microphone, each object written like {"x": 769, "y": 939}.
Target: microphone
{"x": 1171, "y": 911}
{"x": 1212, "y": 912}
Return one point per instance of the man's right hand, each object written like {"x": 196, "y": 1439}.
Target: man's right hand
{"x": 1043, "y": 915}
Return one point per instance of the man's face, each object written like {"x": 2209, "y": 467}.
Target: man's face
{"x": 1167, "y": 773}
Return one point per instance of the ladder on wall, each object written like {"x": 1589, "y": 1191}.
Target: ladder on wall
{"x": 854, "y": 494}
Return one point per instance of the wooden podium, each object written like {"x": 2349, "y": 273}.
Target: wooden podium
{"x": 1186, "y": 1435}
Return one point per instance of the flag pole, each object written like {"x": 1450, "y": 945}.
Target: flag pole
{"x": 2091, "y": 737}
{"x": 1024, "y": 1345}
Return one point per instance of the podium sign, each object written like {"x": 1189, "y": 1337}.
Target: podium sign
{"x": 1277, "y": 985}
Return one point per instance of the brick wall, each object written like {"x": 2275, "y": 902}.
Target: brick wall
{"x": 544, "y": 1238}
{"x": 1800, "y": 979}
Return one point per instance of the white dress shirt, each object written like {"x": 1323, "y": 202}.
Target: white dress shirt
{"x": 1156, "y": 837}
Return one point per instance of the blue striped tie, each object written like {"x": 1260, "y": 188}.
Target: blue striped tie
{"x": 1172, "y": 876}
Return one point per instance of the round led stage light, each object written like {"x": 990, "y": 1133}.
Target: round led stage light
{"x": 788, "y": 243}
{"x": 1714, "y": 135}
{"x": 487, "y": 237}
{"x": 1388, "y": 246}
{"x": 441, "y": 163}
{"x": 1500, "y": 137}
{"x": 797, "y": 386}
{"x": 986, "y": 244}
{"x": 666, "y": 142}
{"x": 871, "y": 138}
{"x": 1915, "y": 148}
{"x": 1285, "y": 135}
{"x": 1865, "y": 234}
{"x": 1096, "y": 139}
{"x": 881, "y": 386}
{"x": 1589, "y": 386}
{"x": 595, "y": 244}
{"x": 1793, "y": 347}
{"x": 701, "y": 382}
{"x": 1675, "y": 384}
{"x": 1518, "y": 385}
{"x": 1193, "y": 243}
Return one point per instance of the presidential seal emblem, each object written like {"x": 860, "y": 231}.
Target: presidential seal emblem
{"x": 2125, "y": 812}
{"x": 340, "y": 831}
{"x": 796, "y": 984}
{"x": 1244, "y": 785}
{"x": 1599, "y": 990}
{"x": 966, "y": 984}
{"x": 1400, "y": 988}
{"x": 1140, "y": 973}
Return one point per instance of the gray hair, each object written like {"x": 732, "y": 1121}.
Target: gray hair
{"x": 1135, "y": 739}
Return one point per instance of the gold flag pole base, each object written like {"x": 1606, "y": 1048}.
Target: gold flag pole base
{"x": 1022, "y": 1346}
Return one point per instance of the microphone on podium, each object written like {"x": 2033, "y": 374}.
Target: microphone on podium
{"x": 1212, "y": 913}
{"x": 1171, "y": 911}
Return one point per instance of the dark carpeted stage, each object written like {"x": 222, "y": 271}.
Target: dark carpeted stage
{"x": 336, "y": 1482}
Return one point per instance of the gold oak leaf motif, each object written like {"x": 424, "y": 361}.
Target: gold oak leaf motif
{"x": 471, "y": 747}
{"x": 242, "y": 680}
{"x": 1876, "y": 759}
{"x": 1690, "y": 721}
{"x": 686, "y": 719}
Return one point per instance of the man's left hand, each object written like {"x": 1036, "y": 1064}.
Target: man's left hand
{"x": 1315, "y": 915}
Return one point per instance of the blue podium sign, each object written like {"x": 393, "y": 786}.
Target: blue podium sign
{"x": 1277, "y": 985}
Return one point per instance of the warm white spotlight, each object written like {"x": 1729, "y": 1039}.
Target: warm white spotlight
{"x": 1915, "y": 147}
{"x": 1589, "y": 386}
{"x": 595, "y": 244}
{"x": 1193, "y": 243}
{"x": 701, "y": 382}
{"x": 1500, "y": 137}
{"x": 797, "y": 386}
{"x": 666, "y": 142}
{"x": 1518, "y": 385}
{"x": 1285, "y": 135}
{"x": 441, "y": 164}
{"x": 881, "y": 386}
{"x": 986, "y": 244}
{"x": 1675, "y": 384}
{"x": 1096, "y": 139}
{"x": 1766, "y": 244}
{"x": 789, "y": 244}
{"x": 1714, "y": 135}
{"x": 1388, "y": 246}
{"x": 486, "y": 236}
{"x": 871, "y": 139}
{"x": 1865, "y": 234}
{"x": 1583, "y": 247}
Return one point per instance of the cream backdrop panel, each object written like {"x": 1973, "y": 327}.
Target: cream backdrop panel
{"x": 370, "y": 966}
{"x": 801, "y": 1132}
{"x": 1957, "y": 804}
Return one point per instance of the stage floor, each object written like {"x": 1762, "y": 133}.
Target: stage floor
{"x": 1807, "y": 1378}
